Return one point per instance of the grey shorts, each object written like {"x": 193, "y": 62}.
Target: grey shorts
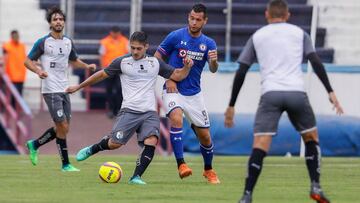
{"x": 273, "y": 104}
{"x": 128, "y": 122}
{"x": 59, "y": 106}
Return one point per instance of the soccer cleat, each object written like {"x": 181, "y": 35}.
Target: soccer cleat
{"x": 184, "y": 171}
{"x": 69, "y": 168}
{"x": 136, "y": 180}
{"x": 246, "y": 199}
{"x": 33, "y": 153}
{"x": 317, "y": 194}
{"x": 211, "y": 176}
{"x": 83, "y": 154}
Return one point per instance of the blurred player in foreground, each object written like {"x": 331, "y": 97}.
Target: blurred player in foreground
{"x": 279, "y": 48}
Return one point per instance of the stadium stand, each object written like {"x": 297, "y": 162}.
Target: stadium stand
{"x": 94, "y": 18}
{"x": 162, "y": 16}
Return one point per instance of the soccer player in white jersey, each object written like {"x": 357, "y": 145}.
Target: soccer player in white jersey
{"x": 138, "y": 73}
{"x": 279, "y": 49}
{"x": 55, "y": 51}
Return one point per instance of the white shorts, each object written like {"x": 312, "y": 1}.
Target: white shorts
{"x": 192, "y": 106}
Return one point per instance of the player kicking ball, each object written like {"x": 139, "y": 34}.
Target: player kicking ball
{"x": 138, "y": 73}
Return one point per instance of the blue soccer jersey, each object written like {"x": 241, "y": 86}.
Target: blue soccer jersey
{"x": 180, "y": 44}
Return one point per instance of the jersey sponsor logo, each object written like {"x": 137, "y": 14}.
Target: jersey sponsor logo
{"x": 60, "y": 113}
{"x": 191, "y": 54}
{"x": 142, "y": 69}
{"x": 202, "y": 47}
{"x": 119, "y": 135}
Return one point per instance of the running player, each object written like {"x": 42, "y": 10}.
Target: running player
{"x": 185, "y": 96}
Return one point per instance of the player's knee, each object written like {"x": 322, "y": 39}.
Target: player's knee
{"x": 62, "y": 129}
{"x": 176, "y": 118}
{"x": 310, "y": 136}
{"x": 203, "y": 136}
{"x": 113, "y": 145}
{"x": 152, "y": 140}
{"x": 262, "y": 142}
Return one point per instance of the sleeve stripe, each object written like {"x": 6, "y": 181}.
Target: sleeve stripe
{"x": 160, "y": 49}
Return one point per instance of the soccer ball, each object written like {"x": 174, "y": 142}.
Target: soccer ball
{"x": 110, "y": 172}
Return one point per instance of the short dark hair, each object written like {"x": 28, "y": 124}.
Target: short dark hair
{"x": 139, "y": 36}
{"x": 52, "y": 11}
{"x": 278, "y": 8}
{"x": 14, "y": 32}
{"x": 200, "y": 8}
{"x": 115, "y": 28}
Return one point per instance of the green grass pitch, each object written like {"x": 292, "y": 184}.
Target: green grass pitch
{"x": 283, "y": 180}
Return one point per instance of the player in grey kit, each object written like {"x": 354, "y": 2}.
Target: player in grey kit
{"x": 55, "y": 51}
{"x": 279, "y": 48}
{"x": 138, "y": 73}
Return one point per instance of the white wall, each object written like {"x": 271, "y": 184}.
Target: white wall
{"x": 26, "y": 17}
{"x": 217, "y": 89}
{"x": 341, "y": 20}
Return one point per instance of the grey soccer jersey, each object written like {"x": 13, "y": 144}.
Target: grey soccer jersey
{"x": 54, "y": 55}
{"x": 279, "y": 48}
{"x": 138, "y": 78}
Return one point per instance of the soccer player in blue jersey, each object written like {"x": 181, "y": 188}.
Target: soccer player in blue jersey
{"x": 185, "y": 96}
{"x": 55, "y": 51}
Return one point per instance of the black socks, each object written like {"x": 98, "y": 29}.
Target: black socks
{"x": 63, "y": 151}
{"x": 144, "y": 160}
{"x": 101, "y": 146}
{"x": 312, "y": 158}
{"x": 48, "y": 135}
{"x": 254, "y": 169}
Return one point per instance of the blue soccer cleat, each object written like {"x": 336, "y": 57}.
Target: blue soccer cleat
{"x": 136, "y": 180}
{"x": 84, "y": 154}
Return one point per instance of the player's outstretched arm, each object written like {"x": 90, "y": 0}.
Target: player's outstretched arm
{"x": 95, "y": 78}
{"x": 29, "y": 64}
{"x": 319, "y": 70}
{"x": 237, "y": 84}
{"x": 181, "y": 73}
{"x": 80, "y": 64}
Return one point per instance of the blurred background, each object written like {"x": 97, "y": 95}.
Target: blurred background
{"x": 333, "y": 25}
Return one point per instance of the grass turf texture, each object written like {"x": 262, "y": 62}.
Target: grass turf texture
{"x": 282, "y": 180}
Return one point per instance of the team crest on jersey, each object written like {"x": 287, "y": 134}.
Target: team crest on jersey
{"x": 172, "y": 104}
{"x": 60, "y": 113}
{"x": 202, "y": 47}
{"x": 182, "y": 53}
{"x": 119, "y": 135}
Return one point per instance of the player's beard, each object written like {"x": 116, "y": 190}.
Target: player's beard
{"x": 58, "y": 29}
{"x": 195, "y": 31}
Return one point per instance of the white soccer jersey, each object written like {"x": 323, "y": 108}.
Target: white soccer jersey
{"x": 54, "y": 55}
{"x": 279, "y": 49}
{"x": 138, "y": 78}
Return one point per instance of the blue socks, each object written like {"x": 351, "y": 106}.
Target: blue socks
{"x": 176, "y": 138}
{"x": 207, "y": 153}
